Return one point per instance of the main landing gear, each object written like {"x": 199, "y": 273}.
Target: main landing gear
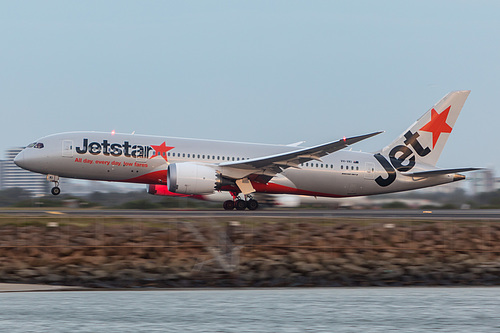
{"x": 55, "y": 179}
{"x": 241, "y": 204}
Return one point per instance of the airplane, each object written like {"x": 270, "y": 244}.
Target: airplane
{"x": 195, "y": 167}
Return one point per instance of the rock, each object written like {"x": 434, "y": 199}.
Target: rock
{"x": 392, "y": 274}
{"x": 339, "y": 261}
{"x": 295, "y": 256}
{"x": 334, "y": 253}
{"x": 387, "y": 254}
{"x": 27, "y": 273}
{"x": 184, "y": 275}
{"x": 279, "y": 272}
{"x": 100, "y": 274}
{"x": 171, "y": 277}
{"x": 303, "y": 267}
{"x": 53, "y": 278}
{"x": 355, "y": 269}
{"x": 94, "y": 260}
{"x": 320, "y": 273}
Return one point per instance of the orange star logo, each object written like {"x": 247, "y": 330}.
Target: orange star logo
{"x": 437, "y": 125}
{"x": 161, "y": 150}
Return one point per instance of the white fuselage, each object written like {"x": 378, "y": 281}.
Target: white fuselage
{"x": 145, "y": 159}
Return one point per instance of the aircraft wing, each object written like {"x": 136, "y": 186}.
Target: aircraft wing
{"x": 439, "y": 172}
{"x": 277, "y": 163}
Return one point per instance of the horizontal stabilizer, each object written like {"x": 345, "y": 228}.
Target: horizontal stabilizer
{"x": 439, "y": 172}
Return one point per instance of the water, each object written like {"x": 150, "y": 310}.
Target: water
{"x": 265, "y": 310}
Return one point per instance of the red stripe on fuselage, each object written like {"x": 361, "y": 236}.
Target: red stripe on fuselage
{"x": 160, "y": 177}
{"x": 155, "y": 177}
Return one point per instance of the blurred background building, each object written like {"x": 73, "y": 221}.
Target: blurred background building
{"x": 13, "y": 176}
{"x": 484, "y": 181}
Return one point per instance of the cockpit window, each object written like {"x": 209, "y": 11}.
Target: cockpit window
{"x": 37, "y": 145}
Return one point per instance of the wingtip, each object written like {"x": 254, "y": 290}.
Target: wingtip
{"x": 375, "y": 133}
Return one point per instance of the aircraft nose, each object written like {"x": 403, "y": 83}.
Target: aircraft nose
{"x": 32, "y": 160}
{"x": 19, "y": 159}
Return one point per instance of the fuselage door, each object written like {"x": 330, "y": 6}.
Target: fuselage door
{"x": 67, "y": 148}
{"x": 369, "y": 170}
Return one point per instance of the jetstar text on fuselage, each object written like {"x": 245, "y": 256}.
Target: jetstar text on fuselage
{"x": 114, "y": 149}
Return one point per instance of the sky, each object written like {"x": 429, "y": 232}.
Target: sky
{"x": 252, "y": 71}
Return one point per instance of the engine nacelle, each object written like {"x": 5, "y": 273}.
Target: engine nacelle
{"x": 191, "y": 178}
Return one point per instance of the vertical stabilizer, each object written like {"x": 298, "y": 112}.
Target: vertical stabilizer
{"x": 425, "y": 139}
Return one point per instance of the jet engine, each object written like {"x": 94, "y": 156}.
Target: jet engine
{"x": 192, "y": 178}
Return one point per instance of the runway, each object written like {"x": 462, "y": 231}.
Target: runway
{"x": 473, "y": 214}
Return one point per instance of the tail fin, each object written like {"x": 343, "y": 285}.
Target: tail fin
{"x": 428, "y": 135}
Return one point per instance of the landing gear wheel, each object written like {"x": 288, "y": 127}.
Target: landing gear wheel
{"x": 252, "y": 204}
{"x": 228, "y": 205}
{"x": 240, "y": 204}
{"x": 55, "y": 190}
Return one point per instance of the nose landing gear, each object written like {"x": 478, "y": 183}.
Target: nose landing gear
{"x": 241, "y": 204}
{"x": 55, "y": 179}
